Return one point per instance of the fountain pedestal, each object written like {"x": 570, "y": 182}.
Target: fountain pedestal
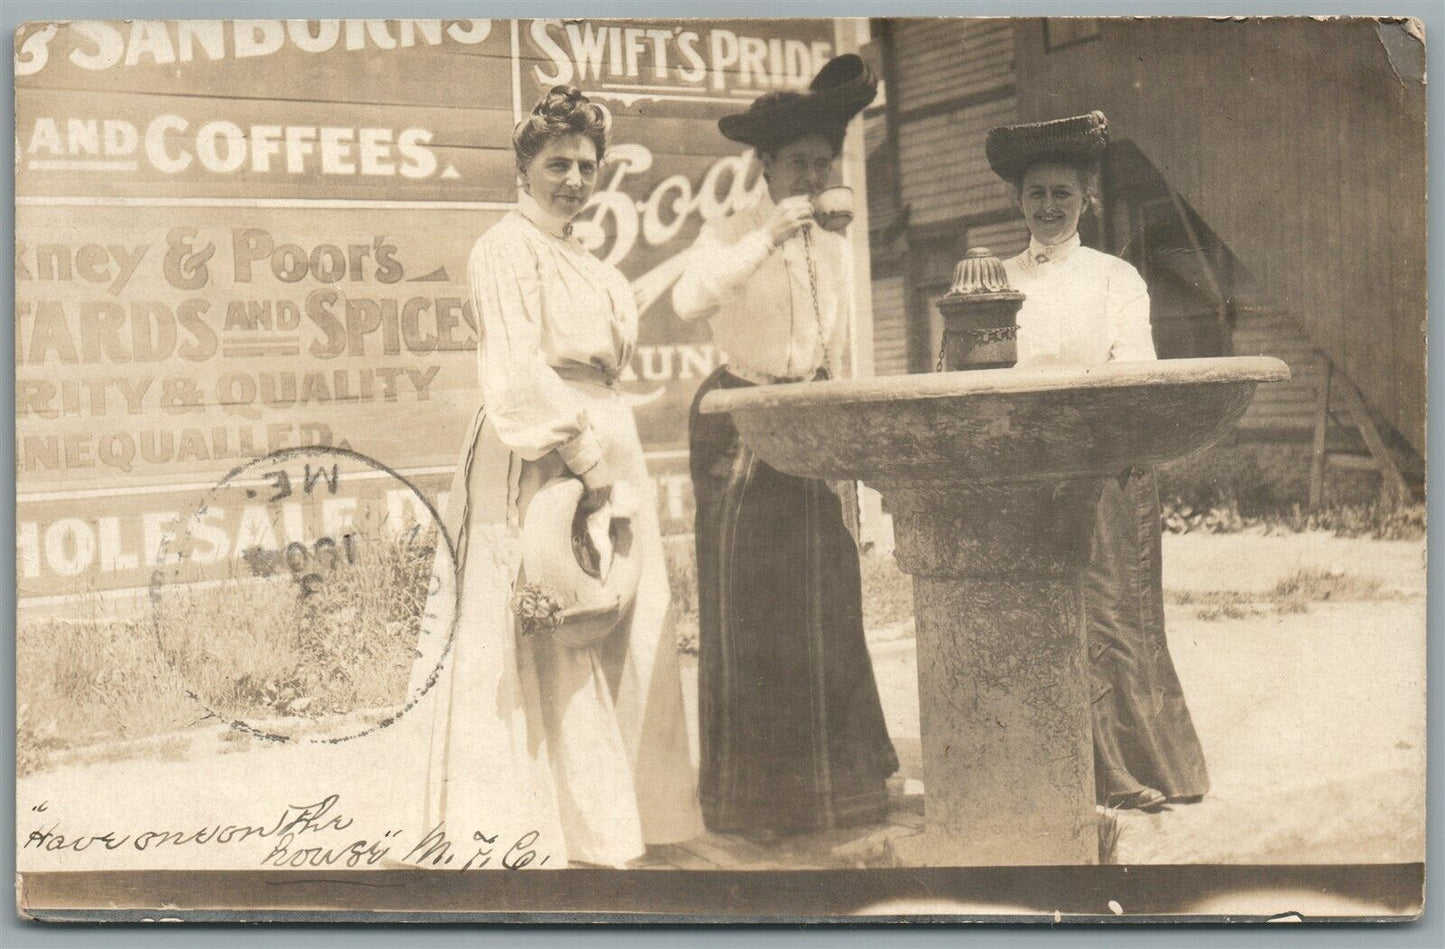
{"x": 992, "y": 478}
{"x": 1002, "y": 682}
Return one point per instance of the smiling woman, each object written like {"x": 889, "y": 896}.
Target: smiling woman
{"x": 1086, "y": 308}
{"x": 585, "y": 744}
{"x": 1053, "y": 196}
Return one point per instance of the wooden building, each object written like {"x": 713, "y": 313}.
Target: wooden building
{"x": 1267, "y": 177}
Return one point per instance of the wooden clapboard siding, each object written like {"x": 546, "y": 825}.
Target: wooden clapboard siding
{"x": 882, "y": 194}
{"x": 949, "y": 81}
{"x": 945, "y": 172}
{"x": 946, "y": 59}
{"x": 1287, "y": 405}
{"x": 953, "y": 80}
{"x": 890, "y": 327}
{"x": 1005, "y": 239}
{"x": 1301, "y": 144}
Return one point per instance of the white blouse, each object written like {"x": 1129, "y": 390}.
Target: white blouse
{"x": 1081, "y": 306}
{"x": 544, "y": 301}
{"x": 758, "y": 301}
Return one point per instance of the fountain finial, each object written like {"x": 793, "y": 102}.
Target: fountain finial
{"x": 980, "y": 272}
{"x": 980, "y": 327}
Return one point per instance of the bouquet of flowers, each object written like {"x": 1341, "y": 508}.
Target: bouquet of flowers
{"x": 538, "y": 609}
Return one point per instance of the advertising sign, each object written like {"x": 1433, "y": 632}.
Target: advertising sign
{"x": 240, "y": 236}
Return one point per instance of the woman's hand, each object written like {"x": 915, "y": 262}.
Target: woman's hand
{"x": 789, "y": 217}
{"x": 595, "y": 506}
{"x": 597, "y": 485}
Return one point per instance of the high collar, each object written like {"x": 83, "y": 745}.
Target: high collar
{"x": 1041, "y": 253}
{"x": 531, "y": 209}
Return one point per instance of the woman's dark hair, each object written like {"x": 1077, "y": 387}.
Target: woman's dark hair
{"x": 832, "y": 133}
{"x": 563, "y": 109}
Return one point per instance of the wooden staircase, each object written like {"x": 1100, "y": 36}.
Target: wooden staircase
{"x": 1335, "y": 386}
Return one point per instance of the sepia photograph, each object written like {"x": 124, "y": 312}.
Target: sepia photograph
{"x": 733, "y": 470}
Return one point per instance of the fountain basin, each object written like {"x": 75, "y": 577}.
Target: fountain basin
{"x": 996, "y": 425}
{"x": 992, "y": 478}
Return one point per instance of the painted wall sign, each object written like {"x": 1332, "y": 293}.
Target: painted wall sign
{"x": 238, "y": 236}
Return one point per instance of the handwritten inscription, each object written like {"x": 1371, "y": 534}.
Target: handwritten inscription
{"x": 436, "y": 850}
{"x": 303, "y": 836}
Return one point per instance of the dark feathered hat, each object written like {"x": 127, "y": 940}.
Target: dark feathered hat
{"x": 1011, "y": 149}
{"x": 843, "y": 88}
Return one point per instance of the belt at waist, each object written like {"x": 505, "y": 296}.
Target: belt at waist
{"x": 767, "y": 379}
{"x": 580, "y": 372}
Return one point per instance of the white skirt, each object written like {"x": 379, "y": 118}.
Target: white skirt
{"x": 588, "y": 748}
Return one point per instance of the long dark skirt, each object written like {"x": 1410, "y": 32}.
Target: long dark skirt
{"x": 1143, "y": 735}
{"x": 792, "y": 731}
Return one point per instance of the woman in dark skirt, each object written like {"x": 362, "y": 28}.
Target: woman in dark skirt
{"x": 792, "y": 730}
{"x": 1083, "y": 307}
{"x": 1145, "y": 750}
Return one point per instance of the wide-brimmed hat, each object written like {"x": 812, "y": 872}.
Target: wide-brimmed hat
{"x": 843, "y": 88}
{"x": 1078, "y": 140}
{"x": 585, "y": 608}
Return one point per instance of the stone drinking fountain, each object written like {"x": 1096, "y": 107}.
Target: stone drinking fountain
{"x": 992, "y": 477}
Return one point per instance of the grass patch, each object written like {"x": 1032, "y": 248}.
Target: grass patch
{"x": 1375, "y": 521}
{"x": 887, "y": 592}
{"x": 270, "y": 645}
{"x": 233, "y": 740}
{"x": 80, "y": 683}
{"x": 174, "y": 748}
{"x": 260, "y": 645}
{"x": 1312, "y": 584}
{"x": 682, "y": 579}
{"x": 1292, "y": 594}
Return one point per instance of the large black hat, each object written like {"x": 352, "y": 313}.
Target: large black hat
{"x": 1078, "y": 140}
{"x": 843, "y": 88}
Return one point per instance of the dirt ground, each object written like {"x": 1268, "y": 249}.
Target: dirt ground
{"x": 1313, "y": 724}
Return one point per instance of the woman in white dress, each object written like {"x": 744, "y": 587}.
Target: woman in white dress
{"x": 1083, "y": 307}
{"x": 588, "y": 747}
